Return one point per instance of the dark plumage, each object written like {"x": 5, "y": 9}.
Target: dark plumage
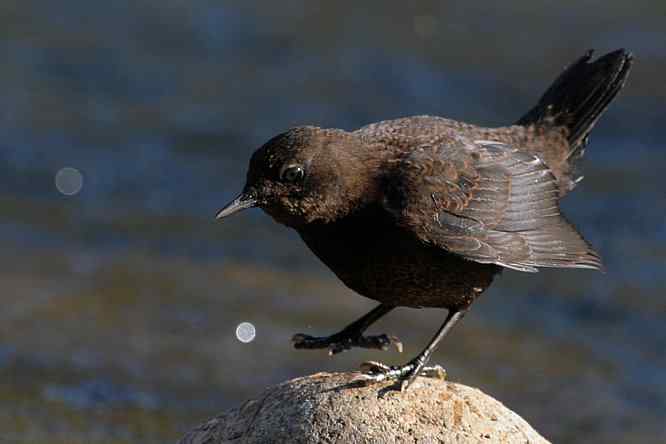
{"x": 424, "y": 211}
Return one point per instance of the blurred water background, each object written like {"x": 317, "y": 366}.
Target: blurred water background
{"x": 120, "y": 301}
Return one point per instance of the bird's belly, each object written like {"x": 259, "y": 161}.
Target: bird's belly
{"x": 393, "y": 268}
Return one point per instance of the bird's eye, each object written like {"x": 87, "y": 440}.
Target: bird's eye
{"x": 292, "y": 173}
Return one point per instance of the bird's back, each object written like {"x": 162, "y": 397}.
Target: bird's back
{"x": 404, "y": 135}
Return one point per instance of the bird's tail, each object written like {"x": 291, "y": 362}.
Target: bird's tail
{"x": 579, "y": 96}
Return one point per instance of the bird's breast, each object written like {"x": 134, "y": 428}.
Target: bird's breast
{"x": 379, "y": 260}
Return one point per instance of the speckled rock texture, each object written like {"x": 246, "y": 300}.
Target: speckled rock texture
{"x": 336, "y": 408}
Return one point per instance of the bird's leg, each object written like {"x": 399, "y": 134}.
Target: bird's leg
{"x": 351, "y": 335}
{"x": 404, "y": 375}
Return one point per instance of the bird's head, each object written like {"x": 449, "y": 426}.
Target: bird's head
{"x": 307, "y": 174}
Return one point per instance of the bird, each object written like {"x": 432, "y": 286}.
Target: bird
{"x": 425, "y": 211}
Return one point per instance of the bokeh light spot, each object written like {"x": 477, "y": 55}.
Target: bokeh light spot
{"x": 245, "y": 332}
{"x": 69, "y": 181}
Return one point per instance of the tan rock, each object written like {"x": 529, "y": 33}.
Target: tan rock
{"x": 336, "y": 408}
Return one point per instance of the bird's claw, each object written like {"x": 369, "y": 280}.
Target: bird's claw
{"x": 375, "y": 372}
{"x": 373, "y": 367}
{"x": 337, "y": 344}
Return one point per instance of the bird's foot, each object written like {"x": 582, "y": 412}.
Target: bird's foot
{"x": 403, "y": 375}
{"x": 340, "y": 342}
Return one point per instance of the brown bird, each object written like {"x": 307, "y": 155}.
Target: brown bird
{"x": 424, "y": 211}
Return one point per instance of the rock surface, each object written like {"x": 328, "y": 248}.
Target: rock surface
{"x": 336, "y": 408}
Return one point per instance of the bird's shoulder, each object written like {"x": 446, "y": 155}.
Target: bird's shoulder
{"x": 447, "y": 176}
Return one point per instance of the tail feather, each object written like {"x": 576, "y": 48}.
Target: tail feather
{"x": 579, "y": 96}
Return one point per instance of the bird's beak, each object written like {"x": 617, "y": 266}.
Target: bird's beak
{"x": 243, "y": 201}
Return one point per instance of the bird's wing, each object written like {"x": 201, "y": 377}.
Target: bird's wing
{"x": 487, "y": 202}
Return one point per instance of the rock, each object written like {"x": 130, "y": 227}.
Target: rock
{"x": 337, "y": 408}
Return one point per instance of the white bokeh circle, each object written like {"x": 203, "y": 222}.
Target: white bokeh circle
{"x": 245, "y": 332}
{"x": 69, "y": 181}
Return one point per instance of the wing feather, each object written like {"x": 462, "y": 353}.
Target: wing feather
{"x": 488, "y": 202}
